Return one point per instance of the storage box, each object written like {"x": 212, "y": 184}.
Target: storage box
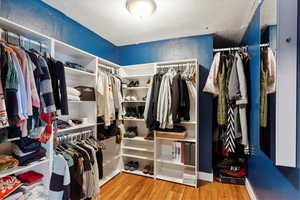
{"x": 172, "y": 135}
{"x": 87, "y": 93}
{"x": 230, "y": 180}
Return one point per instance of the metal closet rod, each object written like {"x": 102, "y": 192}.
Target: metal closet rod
{"x": 74, "y": 134}
{"x": 238, "y": 48}
{"x": 20, "y": 37}
{"x": 180, "y": 64}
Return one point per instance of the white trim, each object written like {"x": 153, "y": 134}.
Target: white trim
{"x": 250, "y": 190}
{"x": 204, "y": 176}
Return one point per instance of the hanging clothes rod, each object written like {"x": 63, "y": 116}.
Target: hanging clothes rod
{"x": 75, "y": 134}
{"x": 238, "y": 48}
{"x": 179, "y": 64}
{"x": 22, "y": 38}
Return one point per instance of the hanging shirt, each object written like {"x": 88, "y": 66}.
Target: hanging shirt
{"x": 211, "y": 84}
{"x": 21, "y": 93}
{"x": 60, "y": 179}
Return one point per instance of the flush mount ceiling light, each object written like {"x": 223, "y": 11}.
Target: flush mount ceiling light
{"x": 141, "y": 8}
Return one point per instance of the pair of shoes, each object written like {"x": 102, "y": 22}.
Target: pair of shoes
{"x": 131, "y": 132}
{"x": 134, "y": 84}
{"x": 131, "y": 98}
{"x": 135, "y": 112}
{"x": 234, "y": 171}
{"x": 148, "y": 169}
{"x": 131, "y": 165}
{"x": 149, "y": 136}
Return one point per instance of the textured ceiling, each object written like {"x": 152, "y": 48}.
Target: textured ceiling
{"x": 172, "y": 19}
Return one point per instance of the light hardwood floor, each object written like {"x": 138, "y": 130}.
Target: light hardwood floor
{"x": 132, "y": 187}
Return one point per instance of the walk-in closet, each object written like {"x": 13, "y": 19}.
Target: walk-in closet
{"x": 149, "y": 100}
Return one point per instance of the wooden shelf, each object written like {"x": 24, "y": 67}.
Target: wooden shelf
{"x": 138, "y": 172}
{"x": 138, "y": 157}
{"x": 21, "y": 168}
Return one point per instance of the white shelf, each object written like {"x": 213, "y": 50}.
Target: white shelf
{"x": 188, "y": 122}
{"x": 173, "y": 139}
{"x": 108, "y": 178}
{"x": 111, "y": 160}
{"x": 138, "y": 149}
{"x": 136, "y": 88}
{"x": 76, "y": 127}
{"x": 139, "y": 139}
{"x": 173, "y": 162}
{"x": 133, "y": 101}
{"x": 174, "y": 180}
{"x": 138, "y": 76}
{"x": 71, "y": 71}
{"x": 138, "y": 157}
{"x": 81, "y": 101}
{"x": 138, "y": 172}
{"x": 135, "y": 120}
{"x": 21, "y": 168}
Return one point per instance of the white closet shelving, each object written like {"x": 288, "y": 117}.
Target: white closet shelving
{"x": 114, "y": 156}
{"x": 151, "y": 152}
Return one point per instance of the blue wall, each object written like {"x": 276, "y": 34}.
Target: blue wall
{"x": 268, "y": 181}
{"x": 200, "y": 47}
{"x": 38, "y": 16}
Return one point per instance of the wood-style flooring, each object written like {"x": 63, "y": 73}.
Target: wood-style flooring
{"x": 132, "y": 187}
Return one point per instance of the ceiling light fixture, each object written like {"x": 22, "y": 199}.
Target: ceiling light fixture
{"x": 141, "y": 8}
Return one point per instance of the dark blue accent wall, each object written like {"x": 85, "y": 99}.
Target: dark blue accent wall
{"x": 199, "y": 47}
{"x": 38, "y": 16}
{"x": 268, "y": 181}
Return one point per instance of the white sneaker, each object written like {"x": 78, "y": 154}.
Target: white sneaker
{"x": 128, "y": 98}
{"x": 133, "y": 98}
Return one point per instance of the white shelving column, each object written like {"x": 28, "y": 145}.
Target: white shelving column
{"x": 112, "y": 151}
{"x": 165, "y": 168}
{"x": 76, "y": 77}
{"x": 45, "y": 166}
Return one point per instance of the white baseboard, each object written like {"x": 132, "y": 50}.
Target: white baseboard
{"x": 250, "y": 190}
{"x": 204, "y": 176}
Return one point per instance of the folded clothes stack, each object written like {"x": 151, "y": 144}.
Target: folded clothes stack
{"x": 73, "y": 94}
{"x": 28, "y": 150}
{"x": 77, "y": 66}
{"x": 7, "y": 162}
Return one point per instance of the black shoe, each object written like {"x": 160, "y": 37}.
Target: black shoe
{"x": 134, "y": 166}
{"x": 131, "y": 84}
{"x": 141, "y": 110}
{"x": 136, "y": 84}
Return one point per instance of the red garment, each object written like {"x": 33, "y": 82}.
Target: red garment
{"x": 45, "y": 136}
{"x": 8, "y": 185}
{"x": 30, "y": 177}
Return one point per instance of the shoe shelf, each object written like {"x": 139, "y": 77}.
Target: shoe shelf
{"x": 139, "y": 139}
{"x": 138, "y": 172}
{"x": 137, "y": 156}
{"x": 173, "y": 162}
{"x": 138, "y": 149}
